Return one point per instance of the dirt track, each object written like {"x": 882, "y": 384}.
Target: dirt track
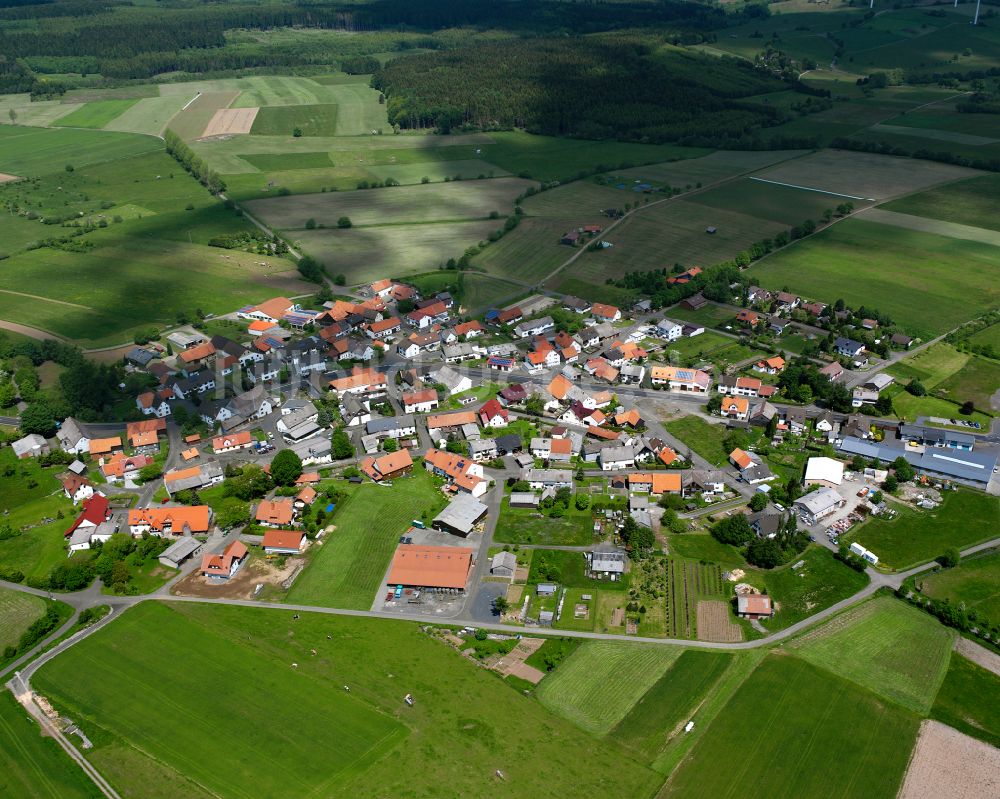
{"x": 5, "y": 178}
{"x": 949, "y": 765}
{"x": 230, "y": 121}
{"x": 977, "y": 654}
{"x": 30, "y": 332}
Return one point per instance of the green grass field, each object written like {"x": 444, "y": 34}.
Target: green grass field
{"x": 885, "y": 645}
{"x": 600, "y": 682}
{"x": 708, "y": 316}
{"x": 950, "y": 273}
{"x": 348, "y": 569}
{"x": 278, "y": 718}
{"x": 968, "y": 202}
{"x": 548, "y": 158}
{"x": 702, "y": 546}
{"x": 794, "y": 730}
{"x": 467, "y": 199}
{"x": 367, "y": 254}
{"x": 802, "y": 592}
{"x": 670, "y": 702}
{"x": 964, "y": 518}
{"x": 673, "y": 232}
{"x": 17, "y": 611}
{"x": 35, "y": 151}
{"x": 528, "y": 253}
{"x": 975, "y": 582}
{"x": 782, "y": 204}
{"x": 125, "y": 283}
{"x": 931, "y": 366}
{"x": 32, "y": 766}
{"x": 149, "y": 115}
{"x": 571, "y": 567}
{"x": 282, "y": 120}
{"x": 525, "y": 526}
{"x": 978, "y": 381}
{"x": 96, "y": 114}
{"x": 969, "y": 700}
{"x": 987, "y": 336}
{"x": 703, "y": 438}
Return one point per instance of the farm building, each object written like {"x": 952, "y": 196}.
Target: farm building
{"x": 430, "y": 568}
{"x": 970, "y": 467}
{"x": 824, "y": 472}
{"x": 31, "y": 446}
{"x": 818, "y": 505}
{"x": 461, "y": 516}
{"x": 161, "y": 521}
{"x": 179, "y": 551}
{"x": 283, "y": 542}
{"x": 754, "y": 606}
{"x": 504, "y": 564}
{"x": 606, "y": 563}
{"x": 524, "y": 499}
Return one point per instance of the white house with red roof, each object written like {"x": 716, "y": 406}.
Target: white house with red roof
{"x": 493, "y": 414}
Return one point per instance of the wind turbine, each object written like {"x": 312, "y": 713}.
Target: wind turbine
{"x": 975, "y": 19}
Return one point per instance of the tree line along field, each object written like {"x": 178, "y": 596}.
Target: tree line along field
{"x": 279, "y": 717}
{"x": 963, "y": 519}
{"x": 975, "y": 582}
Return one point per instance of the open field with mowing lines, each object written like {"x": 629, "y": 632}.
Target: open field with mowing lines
{"x": 41, "y": 113}
{"x": 964, "y": 518}
{"x": 889, "y": 647}
{"x": 975, "y": 582}
{"x": 864, "y": 175}
{"x": 781, "y": 204}
{"x": 846, "y": 741}
{"x": 548, "y": 158}
{"x": 800, "y": 593}
{"x": 978, "y": 381}
{"x": 366, "y": 254}
{"x": 936, "y": 226}
{"x": 127, "y": 283}
{"x": 17, "y": 611}
{"x": 27, "y": 152}
{"x": 293, "y": 711}
{"x": 706, "y": 169}
{"x": 673, "y": 232}
{"x": 898, "y": 271}
{"x": 969, "y": 700}
{"x": 482, "y": 292}
{"x": 33, "y": 767}
{"x": 967, "y": 202}
{"x": 192, "y": 121}
{"x": 529, "y": 252}
{"x": 348, "y": 568}
{"x": 472, "y": 199}
{"x": 96, "y": 114}
{"x": 282, "y": 120}
{"x": 931, "y": 366}
{"x": 601, "y": 681}
{"x": 671, "y": 701}
{"x": 149, "y": 115}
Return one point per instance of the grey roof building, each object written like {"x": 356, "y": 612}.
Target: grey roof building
{"x": 461, "y": 515}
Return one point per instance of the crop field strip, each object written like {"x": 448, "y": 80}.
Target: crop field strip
{"x": 794, "y": 729}
{"x": 601, "y": 681}
{"x": 687, "y": 581}
{"x": 890, "y": 648}
{"x": 969, "y": 700}
{"x": 281, "y": 716}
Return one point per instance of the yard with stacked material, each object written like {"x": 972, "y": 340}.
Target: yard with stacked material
{"x": 964, "y": 518}
{"x": 885, "y": 645}
{"x": 150, "y": 727}
{"x": 32, "y": 766}
{"x": 975, "y": 583}
{"x": 600, "y": 682}
{"x": 901, "y": 272}
{"x": 794, "y": 729}
{"x": 347, "y": 569}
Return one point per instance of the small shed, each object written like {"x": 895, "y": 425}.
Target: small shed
{"x": 504, "y": 564}
{"x": 546, "y": 589}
